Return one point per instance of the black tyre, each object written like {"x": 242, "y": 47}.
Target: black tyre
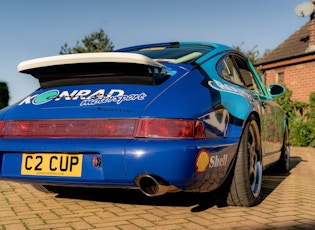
{"x": 246, "y": 180}
{"x": 284, "y": 161}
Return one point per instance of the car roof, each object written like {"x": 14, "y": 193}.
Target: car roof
{"x": 206, "y": 45}
{"x": 190, "y": 51}
{"x": 125, "y": 55}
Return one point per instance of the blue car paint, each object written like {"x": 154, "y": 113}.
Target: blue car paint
{"x": 176, "y": 153}
{"x": 188, "y": 93}
{"x": 70, "y": 103}
{"x": 111, "y": 151}
{"x": 120, "y": 166}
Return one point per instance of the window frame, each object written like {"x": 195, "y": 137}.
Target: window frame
{"x": 249, "y": 67}
{"x": 229, "y": 79}
{"x": 277, "y": 76}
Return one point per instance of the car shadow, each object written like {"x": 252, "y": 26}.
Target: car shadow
{"x": 131, "y": 196}
{"x": 272, "y": 179}
{"x": 200, "y": 201}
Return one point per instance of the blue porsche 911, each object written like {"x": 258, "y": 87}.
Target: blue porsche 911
{"x": 167, "y": 117}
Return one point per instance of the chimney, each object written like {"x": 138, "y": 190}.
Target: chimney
{"x": 311, "y": 42}
{"x": 312, "y": 32}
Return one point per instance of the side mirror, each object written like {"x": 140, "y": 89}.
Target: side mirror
{"x": 275, "y": 90}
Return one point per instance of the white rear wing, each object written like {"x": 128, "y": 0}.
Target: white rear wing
{"x": 104, "y": 57}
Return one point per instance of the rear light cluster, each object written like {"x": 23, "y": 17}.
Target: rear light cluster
{"x": 103, "y": 128}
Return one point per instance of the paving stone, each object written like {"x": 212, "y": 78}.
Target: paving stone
{"x": 288, "y": 203}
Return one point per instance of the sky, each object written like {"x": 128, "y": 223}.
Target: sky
{"x": 39, "y": 28}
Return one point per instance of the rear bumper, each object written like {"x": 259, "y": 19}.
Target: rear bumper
{"x": 122, "y": 161}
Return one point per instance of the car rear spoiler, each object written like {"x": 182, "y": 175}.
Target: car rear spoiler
{"x": 93, "y": 68}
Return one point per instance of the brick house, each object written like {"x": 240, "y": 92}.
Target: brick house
{"x": 292, "y": 63}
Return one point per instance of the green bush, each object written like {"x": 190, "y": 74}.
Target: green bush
{"x": 300, "y": 131}
{"x": 4, "y": 95}
{"x": 311, "y": 117}
{"x": 301, "y": 117}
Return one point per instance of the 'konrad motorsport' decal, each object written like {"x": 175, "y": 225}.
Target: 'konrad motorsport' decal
{"x": 86, "y": 97}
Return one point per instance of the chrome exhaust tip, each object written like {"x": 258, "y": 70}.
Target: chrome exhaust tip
{"x": 152, "y": 185}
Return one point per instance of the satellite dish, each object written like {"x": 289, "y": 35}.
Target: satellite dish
{"x": 304, "y": 9}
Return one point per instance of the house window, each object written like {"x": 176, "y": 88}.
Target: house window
{"x": 280, "y": 77}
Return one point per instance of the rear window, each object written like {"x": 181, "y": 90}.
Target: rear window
{"x": 98, "y": 73}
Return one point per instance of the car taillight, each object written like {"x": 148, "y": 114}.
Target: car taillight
{"x": 1, "y": 128}
{"x": 169, "y": 128}
{"x": 83, "y": 128}
{"x": 103, "y": 128}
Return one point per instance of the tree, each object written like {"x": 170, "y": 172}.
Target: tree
{"x": 267, "y": 51}
{"x": 95, "y": 42}
{"x": 4, "y": 95}
{"x": 252, "y": 54}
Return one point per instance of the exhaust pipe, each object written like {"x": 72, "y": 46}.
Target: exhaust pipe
{"x": 152, "y": 185}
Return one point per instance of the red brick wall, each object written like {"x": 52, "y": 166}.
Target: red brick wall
{"x": 299, "y": 78}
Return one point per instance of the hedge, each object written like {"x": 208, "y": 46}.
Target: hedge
{"x": 301, "y": 119}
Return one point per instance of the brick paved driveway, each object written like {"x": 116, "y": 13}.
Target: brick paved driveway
{"x": 289, "y": 203}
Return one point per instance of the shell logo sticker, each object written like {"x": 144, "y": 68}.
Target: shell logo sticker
{"x": 217, "y": 161}
{"x": 202, "y": 161}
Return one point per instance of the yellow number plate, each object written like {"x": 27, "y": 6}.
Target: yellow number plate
{"x": 51, "y": 164}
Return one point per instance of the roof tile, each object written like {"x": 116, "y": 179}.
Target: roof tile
{"x": 295, "y": 45}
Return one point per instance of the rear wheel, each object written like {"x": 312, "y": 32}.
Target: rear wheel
{"x": 246, "y": 181}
